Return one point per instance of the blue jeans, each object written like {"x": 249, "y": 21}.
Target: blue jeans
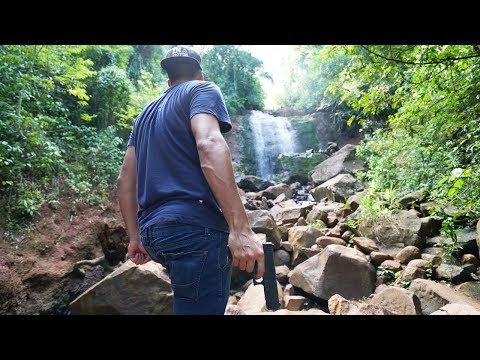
{"x": 198, "y": 261}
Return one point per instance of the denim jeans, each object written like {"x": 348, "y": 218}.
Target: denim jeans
{"x": 198, "y": 261}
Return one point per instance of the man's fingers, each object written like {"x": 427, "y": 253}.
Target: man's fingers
{"x": 242, "y": 264}
{"x": 260, "y": 267}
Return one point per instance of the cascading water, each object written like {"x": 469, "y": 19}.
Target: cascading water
{"x": 272, "y": 136}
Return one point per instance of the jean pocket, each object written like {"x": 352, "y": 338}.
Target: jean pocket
{"x": 185, "y": 271}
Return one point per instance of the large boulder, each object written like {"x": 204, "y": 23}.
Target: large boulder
{"x": 341, "y": 162}
{"x": 336, "y": 270}
{"x": 394, "y": 230}
{"x": 302, "y": 237}
{"x": 337, "y": 305}
{"x": 339, "y": 188}
{"x": 253, "y": 183}
{"x": 129, "y": 290}
{"x": 299, "y": 164}
{"x": 456, "y": 309}
{"x": 398, "y": 300}
{"x": 253, "y": 301}
{"x": 262, "y": 221}
{"x": 288, "y": 212}
{"x": 272, "y": 192}
{"x": 434, "y": 295}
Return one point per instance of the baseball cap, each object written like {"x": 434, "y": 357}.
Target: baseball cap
{"x": 181, "y": 54}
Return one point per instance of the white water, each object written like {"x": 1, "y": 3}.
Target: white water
{"x": 272, "y": 136}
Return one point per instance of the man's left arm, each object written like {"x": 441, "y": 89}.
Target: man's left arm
{"x": 127, "y": 196}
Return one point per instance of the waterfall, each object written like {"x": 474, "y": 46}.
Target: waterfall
{"x": 272, "y": 136}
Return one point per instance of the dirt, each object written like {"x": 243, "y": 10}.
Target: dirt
{"x": 36, "y": 274}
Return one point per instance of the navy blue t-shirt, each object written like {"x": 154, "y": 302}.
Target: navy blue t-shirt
{"x": 170, "y": 183}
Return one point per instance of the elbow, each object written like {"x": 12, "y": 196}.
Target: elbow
{"x": 211, "y": 145}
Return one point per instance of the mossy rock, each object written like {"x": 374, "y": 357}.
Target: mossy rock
{"x": 299, "y": 164}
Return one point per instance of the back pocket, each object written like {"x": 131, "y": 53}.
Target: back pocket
{"x": 185, "y": 271}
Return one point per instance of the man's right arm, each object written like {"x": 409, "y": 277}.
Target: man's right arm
{"x": 217, "y": 167}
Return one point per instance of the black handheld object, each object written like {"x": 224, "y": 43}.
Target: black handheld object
{"x": 269, "y": 278}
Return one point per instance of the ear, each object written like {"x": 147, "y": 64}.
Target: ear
{"x": 201, "y": 76}
{"x": 169, "y": 83}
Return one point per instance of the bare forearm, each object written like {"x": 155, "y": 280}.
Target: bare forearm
{"x": 128, "y": 207}
{"x": 217, "y": 167}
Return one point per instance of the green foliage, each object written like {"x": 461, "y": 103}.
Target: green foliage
{"x": 419, "y": 106}
{"x": 312, "y": 71}
{"x": 388, "y": 275}
{"x": 236, "y": 72}
{"x": 450, "y": 246}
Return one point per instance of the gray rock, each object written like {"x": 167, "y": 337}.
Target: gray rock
{"x": 324, "y": 241}
{"x": 470, "y": 259}
{"x": 281, "y": 257}
{"x": 434, "y": 295}
{"x": 272, "y": 192}
{"x": 295, "y": 302}
{"x": 338, "y": 188}
{"x": 281, "y": 272}
{"x": 262, "y": 221}
{"x": 342, "y": 162}
{"x": 407, "y": 254}
{"x": 129, "y": 290}
{"x": 338, "y": 305}
{"x": 453, "y": 273}
{"x": 394, "y": 231}
{"x": 253, "y": 183}
{"x": 353, "y": 202}
{"x": 421, "y": 263}
{"x": 377, "y": 257}
{"x": 288, "y": 212}
{"x": 336, "y": 270}
{"x": 397, "y": 300}
{"x": 365, "y": 245}
{"x": 470, "y": 288}
{"x": 391, "y": 265}
{"x": 410, "y": 273}
{"x": 253, "y": 301}
{"x": 285, "y": 245}
{"x": 233, "y": 309}
{"x": 456, "y": 309}
{"x": 302, "y": 237}
{"x": 411, "y": 198}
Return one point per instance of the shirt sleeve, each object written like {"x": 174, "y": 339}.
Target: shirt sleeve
{"x": 131, "y": 140}
{"x": 207, "y": 98}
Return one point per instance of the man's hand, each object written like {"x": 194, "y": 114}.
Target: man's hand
{"x": 246, "y": 248}
{"x": 137, "y": 253}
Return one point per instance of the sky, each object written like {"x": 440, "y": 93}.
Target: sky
{"x": 274, "y": 59}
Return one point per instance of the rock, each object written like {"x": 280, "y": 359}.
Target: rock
{"x": 420, "y": 263}
{"x": 453, "y": 273}
{"x": 280, "y": 198}
{"x": 262, "y": 237}
{"x": 281, "y": 272}
{"x": 301, "y": 221}
{"x": 470, "y": 259}
{"x": 281, "y": 257}
{"x": 394, "y": 231}
{"x": 336, "y": 270}
{"x": 429, "y": 227}
{"x": 302, "y": 237}
{"x": 334, "y": 232}
{"x": 342, "y": 162}
{"x": 410, "y": 273}
{"x": 285, "y": 245}
{"x": 253, "y": 183}
{"x": 470, "y": 288}
{"x": 434, "y": 259}
{"x": 272, "y": 192}
{"x": 353, "y": 202}
{"x": 434, "y": 295}
{"x": 295, "y": 302}
{"x": 129, "y": 290}
{"x": 114, "y": 243}
{"x": 365, "y": 245}
{"x": 337, "y": 305}
{"x": 456, "y": 309}
{"x": 397, "y": 300}
{"x": 262, "y": 221}
{"x": 312, "y": 311}
{"x": 338, "y": 188}
{"x": 234, "y": 310}
{"x": 391, "y": 265}
{"x": 232, "y": 300}
{"x": 288, "y": 212}
{"x": 324, "y": 241}
{"x": 377, "y": 257}
{"x": 412, "y": 199}
{"x": 253, "y": 301}
{"x": 407, "y": 254}
{"x": 332, "y": 220}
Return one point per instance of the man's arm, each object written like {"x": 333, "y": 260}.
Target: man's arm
{"x": 127, "y": 196}
{"x": 217, "y": 167}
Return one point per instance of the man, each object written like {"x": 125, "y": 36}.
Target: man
{"x": 178, "y": 174}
